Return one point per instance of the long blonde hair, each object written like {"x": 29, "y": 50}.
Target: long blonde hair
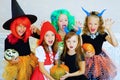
{"x": 100, "y": 28}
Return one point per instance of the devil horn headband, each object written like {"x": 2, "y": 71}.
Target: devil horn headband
{"x": 100, "y": 14}
{"x": 88, "y": 14}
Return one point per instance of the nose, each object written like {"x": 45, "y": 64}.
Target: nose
{"x": 92, "y": 26}
{"x": 22, "y": 27}
{"x": 70, "y": 43}
{"x": 50, "y": 36}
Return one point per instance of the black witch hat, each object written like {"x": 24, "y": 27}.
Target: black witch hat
{"x": 16, "y": 13}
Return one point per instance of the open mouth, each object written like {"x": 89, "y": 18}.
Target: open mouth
{"x": 50, "y": 42}
{"x": 63, "y": 26}
{"x": 21, "y": 32}
{"x": 92, "y": 30}
{"x": 71, "y": 47}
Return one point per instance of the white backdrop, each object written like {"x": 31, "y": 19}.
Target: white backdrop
{"x": 43, "y": 8}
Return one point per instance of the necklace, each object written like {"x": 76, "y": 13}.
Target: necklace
{"x": 93, "y": 36}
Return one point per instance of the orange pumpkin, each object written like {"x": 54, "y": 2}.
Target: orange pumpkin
{"x": 88, "y": 47}
{"x": 58, "y": 70}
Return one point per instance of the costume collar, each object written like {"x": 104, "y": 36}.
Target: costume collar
{"x": 93, "y": 36}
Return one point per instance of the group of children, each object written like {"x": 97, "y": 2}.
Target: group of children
{"x": 62, "y": 28}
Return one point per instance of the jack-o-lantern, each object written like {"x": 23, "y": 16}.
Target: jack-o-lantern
{"x": 88, "y": 47}
{"x": 58, "y": 71}
{"x": 9, "y": 54}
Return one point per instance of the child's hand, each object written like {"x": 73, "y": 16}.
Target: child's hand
{"x": 89, "y": 54}
{"x": 108, "y": 23}
{"x": 65, "y": 76}
{"x": 77, "y": 25}
{"x": 34, "y": 29}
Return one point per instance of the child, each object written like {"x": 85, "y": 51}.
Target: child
{"x": 19, "y": 25}
{"x": 60, "y": 19}
{"x": 98, "y": 66}
{"x": 73, "y": 57}
{"x": 45, "y": 52}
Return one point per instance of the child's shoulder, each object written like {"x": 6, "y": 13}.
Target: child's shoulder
{"x": 39, "y": 48}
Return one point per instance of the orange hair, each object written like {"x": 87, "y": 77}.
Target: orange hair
{"x": 25, "y": 22}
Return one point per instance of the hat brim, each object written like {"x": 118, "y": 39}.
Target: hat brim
{"x": 7, "y": 24}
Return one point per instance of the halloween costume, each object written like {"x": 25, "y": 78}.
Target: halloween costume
{"x": 27, "y": 61}
{"x": 47, "y": 58}
{"x": 70, "y": 61}
{"x": 99, "y": 66}
{"x": 43, "y": 56}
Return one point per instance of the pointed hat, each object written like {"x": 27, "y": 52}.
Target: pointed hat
{"x": 16, "y": 13}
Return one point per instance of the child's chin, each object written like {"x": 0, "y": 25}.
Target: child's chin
{"x": 93, "y": 32}
{"x": 50, "y": 44}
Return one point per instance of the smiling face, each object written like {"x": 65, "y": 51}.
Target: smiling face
{"x": 72, "y": 42}
{"x": 49, "y": 38}
{"x": 62, "y": 21}
{"x": 93, "y": 24}
{"x": 20, "y": 30}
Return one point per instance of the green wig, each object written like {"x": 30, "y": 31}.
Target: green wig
{"x": 55, "y": 16}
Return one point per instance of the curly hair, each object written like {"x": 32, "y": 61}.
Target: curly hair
{"x": 55, "y": 16}
{"x": 95, "y": 14}
{"x": 24, "y": 21}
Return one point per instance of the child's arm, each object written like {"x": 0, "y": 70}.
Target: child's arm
{"x": 35, "y": 32}
{"x": 110, "y": 38}
{"x": 35, "y": 29}
{"x": 81, "y": 71}
{"x": 40, "y": 54}
{"x": 89, "y": 54}
{"x": 44, "y": 71}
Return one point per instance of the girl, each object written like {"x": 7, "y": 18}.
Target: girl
{"x": 98, "y": 66}
{"x": 60, "y": 19}
{"x": 73, "y": 57}
{"x": 45, "y": 52}
{"x": 19, "y": 25}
